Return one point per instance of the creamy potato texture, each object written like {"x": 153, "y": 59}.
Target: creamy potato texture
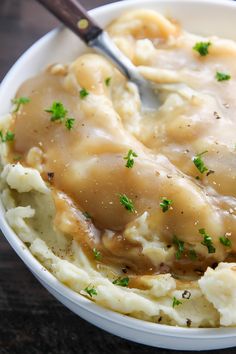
{"x": 114, "y": 201}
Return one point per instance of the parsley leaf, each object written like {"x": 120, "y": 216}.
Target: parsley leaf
{"x": 59, "y": 113}
{"x": 57, "y": 110}
{"x": 176, "y": 302}
{"x": 121, "y": 281}
{"x": 69, "y": 123}
{"x": 222, "y": 76}
{"x": 97, "y": 254}
{"x": 91, "y": 291}
{"x": 207, "y": 241}
{"x": 130, "y": 158}
{"x": 180, "y": 246}
{"x": 198, "y": 162}
{"x": 83, "y": 93}
{"x": 225, "y": 241}
{"x": 202, "y": 48}
{"x": 108, "y": 81}
{"x": 8, "y": 137}
{"x": 127, "y": 203}
{"x": 165, "y": 204}
{"x": 18, "y": 102}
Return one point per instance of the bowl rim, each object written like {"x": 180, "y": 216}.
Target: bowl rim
{"x": 47, "y": 277}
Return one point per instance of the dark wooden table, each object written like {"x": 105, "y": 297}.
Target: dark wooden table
{"x": 31, "y": 320}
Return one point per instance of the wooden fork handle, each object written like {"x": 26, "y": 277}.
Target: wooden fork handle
{"x": 74, "y": 16}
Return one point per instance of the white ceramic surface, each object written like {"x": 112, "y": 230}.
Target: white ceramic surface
{"x": 212, "y": 17}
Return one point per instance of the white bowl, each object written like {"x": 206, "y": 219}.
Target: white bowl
{"x": 207, "y": 17}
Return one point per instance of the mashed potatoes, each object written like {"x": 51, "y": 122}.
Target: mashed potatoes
{"x": 135, "y": 211}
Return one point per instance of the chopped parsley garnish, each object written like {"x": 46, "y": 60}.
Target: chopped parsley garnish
{"x": 127, "y": 203}
{"x": 176, "y": 302}
{"x": 121, "y": 281}
{"x": 225, "y": 241}
{"x": 18, "y": 102}
{"x": 59, "y": 113}
{"x": 222, "y": 76}
{"x": 9, "y": 136}
{"x": 207, "y": 241}
{"x": 108, "y": 81}
{"x": 91, "y": 291}
{"x": 57, "y": 110}
{"x": 192, "y": 255}
{"x": 130, "y": 158}
{"x": 198, "y": 162}
{"x": 202, "y": 48}
{"x": 97, "y": 254}
{"x": 83, "y": 93}
{"x": 69, "y": 123}
{"x": 165, "y": 204}
{"x": 180, "y": 247}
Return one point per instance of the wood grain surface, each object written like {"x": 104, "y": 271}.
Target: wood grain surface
{"x": 31, "y": 320}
